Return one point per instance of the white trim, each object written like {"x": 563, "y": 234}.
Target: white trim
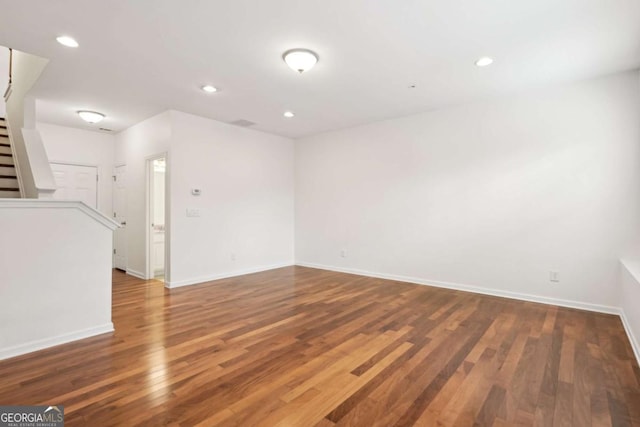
{"x": 199, "y": 280}
{"x": 167, "y": 221}
{"x": 60, "y": 204}
{"x": 470, "y": 288}
{"x": 632, "y": 337}
{"x": 66, "y": 162}
{"x": 598, "y": 308}
{"x": 53, "y": 341}
{"x": 632, "y": 268}
{"x": 135, "y": 273}
{"x": 39, "y": 163}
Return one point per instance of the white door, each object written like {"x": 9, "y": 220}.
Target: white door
{"x": 120, "y": 216}
{"x": 76, "y": 183}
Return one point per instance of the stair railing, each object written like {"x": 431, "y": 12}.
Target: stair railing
{"x": 7, "y": 92}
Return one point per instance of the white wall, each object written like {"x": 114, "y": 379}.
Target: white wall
{"x": 492, "y": 195}
{"x": 55, "y": 274}
{"x": 20, "y": 114}
{"x": 82, "y": 147}
{"x": 246, "y": 207}
{"x": 4, "y": 77}
{"x": 629, "y": 298}
{"x": 133, "y": 147}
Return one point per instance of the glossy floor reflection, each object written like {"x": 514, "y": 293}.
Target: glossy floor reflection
{"x": 303, "y": 347}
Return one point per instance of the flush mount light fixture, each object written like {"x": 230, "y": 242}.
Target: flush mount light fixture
{"x": 209, "y": 89}
{"x": 67, "y": 41}
{"x": 288, "y": 114}
{"x": 91, "y": 116}
{"x": 484, "y": 61}
{"x": 300, "y": 60}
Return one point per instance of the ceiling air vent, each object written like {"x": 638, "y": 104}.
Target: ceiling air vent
{"x": 106, "y": 130}
{"x": 243, "y": 123}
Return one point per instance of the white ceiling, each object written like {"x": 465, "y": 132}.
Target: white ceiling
{"x": 139, "y": 58}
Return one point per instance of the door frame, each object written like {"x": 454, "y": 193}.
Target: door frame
{"x": 89, "y": 165}
{"x": 113, "y": 215}
{"x": 167, "y": 219}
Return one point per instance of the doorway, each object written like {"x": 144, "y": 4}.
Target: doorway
{"x": 120, "y": 216}
{"x": 156, "y": 249}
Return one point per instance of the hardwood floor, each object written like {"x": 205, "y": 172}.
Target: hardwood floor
{"x": 304, "y": 347}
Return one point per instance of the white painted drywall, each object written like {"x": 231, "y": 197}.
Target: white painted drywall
{"x": 4, "y": 77}
{"x": 629, "y": 298}
{"x": 494, "y": 195}
{"x": 20, "y": 114}
{"x": 246, "y": 206}
{"x": 61, "y": 291}
{"x": 133, "y": 147}
{"x": 82, "y": 147}
{"x": 43, "y": 178}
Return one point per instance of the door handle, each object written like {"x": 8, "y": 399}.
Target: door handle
{"x": 123, "y": 223}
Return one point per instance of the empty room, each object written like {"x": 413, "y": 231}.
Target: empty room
{"x": 320, "y": 213}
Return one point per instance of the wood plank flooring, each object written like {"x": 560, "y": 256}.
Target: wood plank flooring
{"x": 304, "y": 347}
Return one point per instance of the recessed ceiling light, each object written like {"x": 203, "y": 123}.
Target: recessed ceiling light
{"x": 300, "y": 60}
{"x": 484, "y": 61}
{"x": 91, "y": 116}
{"x": 288, "y": 114}
{"x": 67, "y": 41}
{"x": 209, "y": 89}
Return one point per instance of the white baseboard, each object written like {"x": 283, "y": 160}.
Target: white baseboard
{"x": 32, "y": 346}
{"x": 629, "y": 298}
{"x": 470, "y": 288}
{"x": 137, "y": 274}
{"x": 198, "y": 280}
{"x": 632, "y": 337}
{"x": 494, "y": 292}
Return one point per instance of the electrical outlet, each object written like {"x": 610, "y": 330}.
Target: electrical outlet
{"x": 343, "y": 253}
{"x": 554, "y": 276}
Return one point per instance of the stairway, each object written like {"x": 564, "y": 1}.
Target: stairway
{"x": 8, "y": 180}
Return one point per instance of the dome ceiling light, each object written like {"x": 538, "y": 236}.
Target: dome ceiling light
{"x": 484, "y": 61}
{"x": 209, "y": 89}
{"x": 91, "y": 116}
{"x": 67, "y": 41}
{"x": 300, "y": 60}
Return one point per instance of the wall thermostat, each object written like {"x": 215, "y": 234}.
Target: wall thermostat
{"x": 196, "y": 191}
